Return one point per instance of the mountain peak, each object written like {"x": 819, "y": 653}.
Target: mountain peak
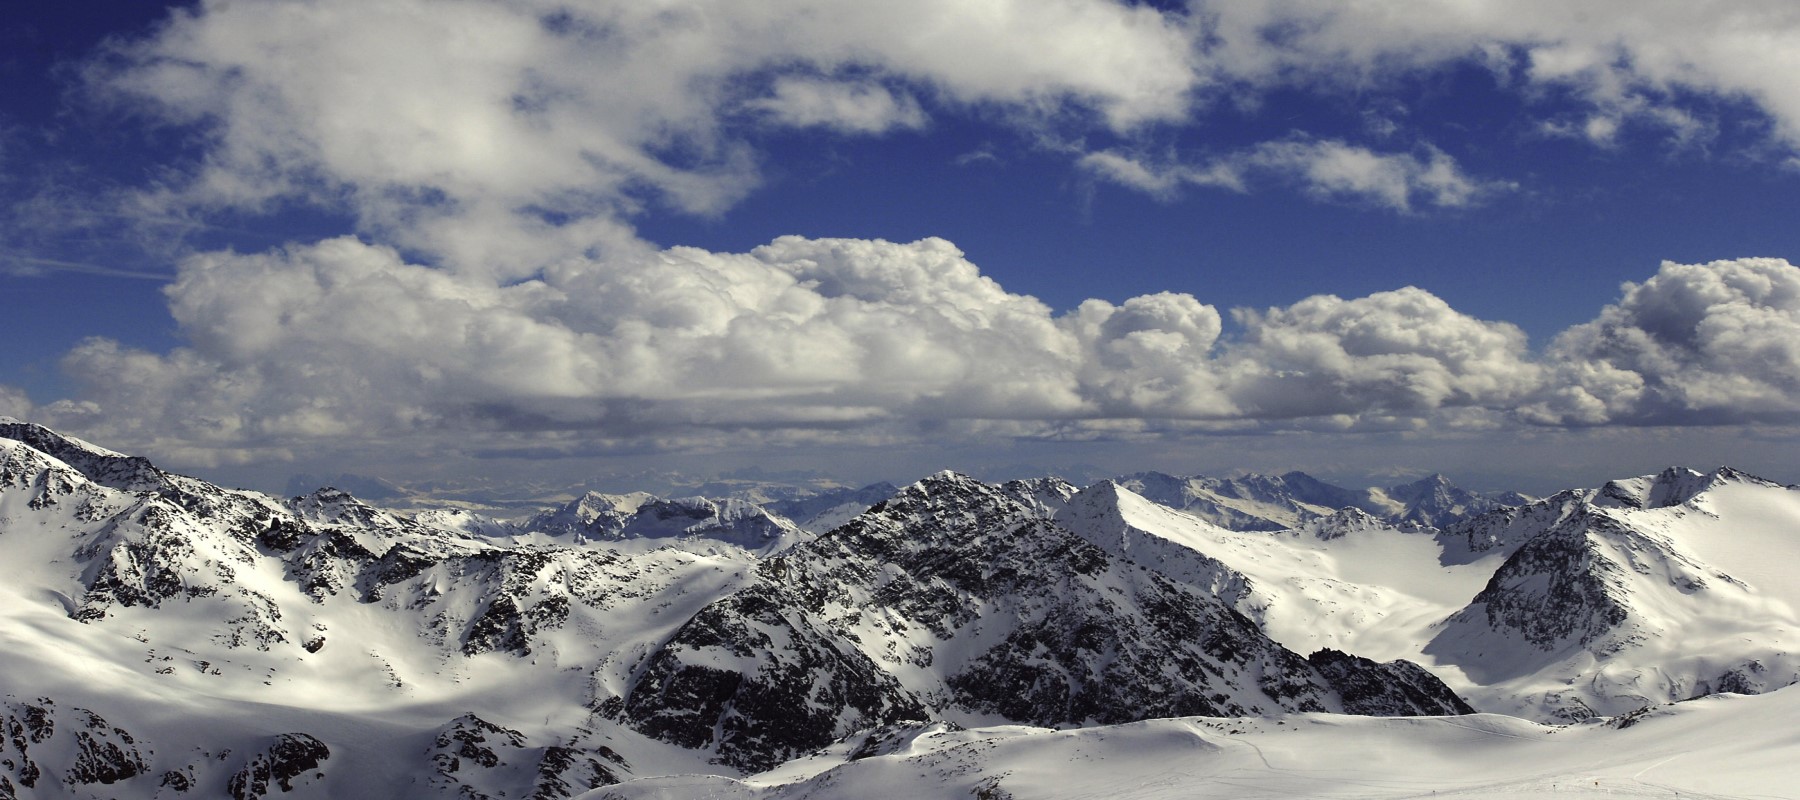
{"x": 1673, "y": 486}
{"x": 108, "y": 468}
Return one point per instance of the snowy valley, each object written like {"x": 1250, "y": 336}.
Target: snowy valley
{"x": 1149, "y": 636}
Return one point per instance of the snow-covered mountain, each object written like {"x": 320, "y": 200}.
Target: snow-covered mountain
{"x": 1590, "y": 602}
{"x": 953, "y": 599}
{"x": 164, "y": 637}
{"x": 1644, "y": 591}
{"x": 1280, "y": 502}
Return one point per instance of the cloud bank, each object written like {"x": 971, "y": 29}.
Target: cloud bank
{"x": 859, "y": 340}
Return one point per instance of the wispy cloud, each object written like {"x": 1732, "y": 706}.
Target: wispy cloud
{"x": 1328, "y": 169}
{"x": 844, "y": 106}
{"x": 31, "y": 266}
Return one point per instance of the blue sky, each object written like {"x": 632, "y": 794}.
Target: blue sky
{"x": 259, "y": 238}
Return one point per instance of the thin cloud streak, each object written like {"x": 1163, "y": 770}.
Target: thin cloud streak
{"x": 32, "y": 266}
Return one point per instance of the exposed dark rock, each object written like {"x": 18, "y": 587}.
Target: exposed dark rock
{"x": 567, "y": 771}
{"x": 1555, "y": 589}
{"x": 103, "y": 753}
{"x": 1397, "y": 688}
{"x": 468, "y": 737}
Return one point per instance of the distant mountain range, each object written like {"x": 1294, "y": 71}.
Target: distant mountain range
{"x": 161, "y": 636}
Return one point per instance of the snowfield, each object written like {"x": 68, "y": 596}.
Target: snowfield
{"x": 1724, "y": 746}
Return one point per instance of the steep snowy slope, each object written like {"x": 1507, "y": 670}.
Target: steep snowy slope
{"x": 1345, "y": 581}
{"x": 1727, "y": 746}
{"x": 1249, "y": 503}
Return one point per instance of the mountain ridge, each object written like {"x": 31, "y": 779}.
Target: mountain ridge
{"x": 547, "y": 662}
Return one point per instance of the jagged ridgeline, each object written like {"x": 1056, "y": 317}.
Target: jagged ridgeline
{"x": 166, "y": 637}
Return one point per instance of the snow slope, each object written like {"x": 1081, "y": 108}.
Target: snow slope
{"x": 1590, "y": 602}
{"x": 1645, "y": 591}
{"x": 1725, "y": 746}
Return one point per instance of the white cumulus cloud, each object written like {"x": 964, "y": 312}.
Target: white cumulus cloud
{"x": 1716, "y": 342}
{"x": 499, "y": 136}
{"x": 1403, "y": 352}
{"x": 14, "y": 402}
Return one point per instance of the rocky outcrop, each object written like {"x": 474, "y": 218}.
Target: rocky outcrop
{"x": 289, "y": 757}
{"x": 1398, "y": 688}
{"x": 955, "y": 594}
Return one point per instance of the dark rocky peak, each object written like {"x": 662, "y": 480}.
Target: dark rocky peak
{"x": 952, "y": 595}
{"x": 1252, "y": 486}
{"x": 369, "y": 486}
{"x": 948, "y": 495}
{"x": 1671, "y": 487}
{"x": 1502, "y": 530}
{"x": 1047, "y": 495}
{"x": 1158, "y": 486}
{"x": 1679, "y": 486}
{"x": 1430, "y": 485}
{"x": 1398, "y": 688}
{"x": 1674, "y": 486}
{"x": 1435, "y": 501}
{"x": 1576, "y": 585}
{"x": 1352, "y": 521}
{"x": 97, "y": 464}
{"x": 330, "y": 506}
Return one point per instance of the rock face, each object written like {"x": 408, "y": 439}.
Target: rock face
{"x": 1559, "y": 587}
{"x": 472, "y": 757}
{"x": 43, "y": 744}
{"x": 954, "y": 595}
{"x": 1395, "y": 689}
{"x": 289, "y": 757}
